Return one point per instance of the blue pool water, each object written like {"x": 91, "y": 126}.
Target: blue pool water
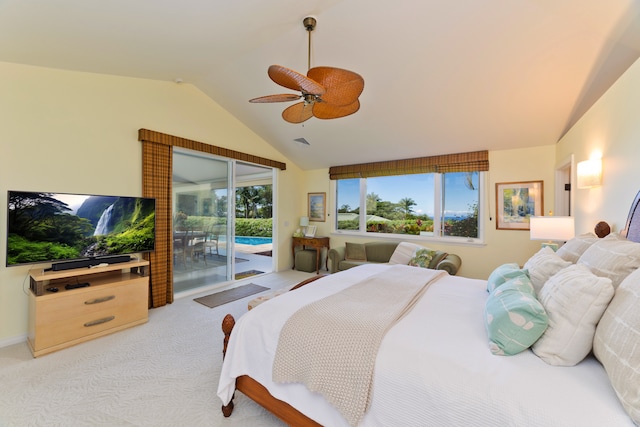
{"x": 243, "y": 240}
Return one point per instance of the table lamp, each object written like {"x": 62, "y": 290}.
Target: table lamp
{"x": 552, "y": 229}
{"x": 304, "y": 223}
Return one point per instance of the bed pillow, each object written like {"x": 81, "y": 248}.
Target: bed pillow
{"x": 355, "y": 252}
{"x": 574, "y": 300}
{"x": 503, "y": 273}
{"x": 613, "y": 256}
{"x": 514, "y": 318}
{"x": 403, "y": 253}
{"x": 542, "y": 265}
{"x": 574, "y": 248}
{"x": 616, "y": 344}
{"x": 422, "y": 258}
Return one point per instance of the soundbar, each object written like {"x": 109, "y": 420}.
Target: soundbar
{"x": 89, "y": 262}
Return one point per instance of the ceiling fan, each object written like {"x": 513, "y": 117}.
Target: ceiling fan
{"x": 326, "y": 92}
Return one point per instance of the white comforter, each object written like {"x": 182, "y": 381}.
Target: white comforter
{"x": 433, "y": 368}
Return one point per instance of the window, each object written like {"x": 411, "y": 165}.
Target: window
{"x": 430, "y": 204}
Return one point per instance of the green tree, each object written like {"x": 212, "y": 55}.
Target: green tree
{"x": 406, "y": 204}
{"x": 372, "y": 203}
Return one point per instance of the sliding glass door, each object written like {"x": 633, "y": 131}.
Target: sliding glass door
{"x": 209, "y": 194}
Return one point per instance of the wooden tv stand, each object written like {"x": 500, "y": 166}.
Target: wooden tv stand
{"x": 116, "y": 299}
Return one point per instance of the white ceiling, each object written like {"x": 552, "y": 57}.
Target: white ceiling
{"x": 440, "y": 76}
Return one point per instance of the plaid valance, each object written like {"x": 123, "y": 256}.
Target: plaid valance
{"x": 462, "y": 162}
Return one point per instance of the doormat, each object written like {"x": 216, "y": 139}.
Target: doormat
{"x": 247, "y": 273}
{"x": 230, "y": 295}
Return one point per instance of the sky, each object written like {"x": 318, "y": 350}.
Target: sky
{"x": 394, "y": 188}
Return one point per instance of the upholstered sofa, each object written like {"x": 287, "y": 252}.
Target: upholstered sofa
{"x": 382, "y": 252}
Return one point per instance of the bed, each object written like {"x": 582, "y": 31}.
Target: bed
{"x": 436, "y": 364}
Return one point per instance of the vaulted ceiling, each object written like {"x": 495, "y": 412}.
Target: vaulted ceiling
{"x": 440, "y": 76}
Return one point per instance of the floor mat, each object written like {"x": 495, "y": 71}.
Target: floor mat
{"x": 229, "y": 295}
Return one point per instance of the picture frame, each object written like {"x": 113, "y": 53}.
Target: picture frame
{"x": 310, "y": 231}
{"x": 317, "y": 206}
{"x": 516, "y": 202}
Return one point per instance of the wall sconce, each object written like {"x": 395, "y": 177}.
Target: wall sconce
{"x": 552, "y": 228}
{"x": 590, "y": 173}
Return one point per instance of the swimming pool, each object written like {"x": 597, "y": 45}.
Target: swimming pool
{"x": 246, "y": 240}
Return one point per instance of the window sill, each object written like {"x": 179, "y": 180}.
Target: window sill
{"x": 462, "y": 241}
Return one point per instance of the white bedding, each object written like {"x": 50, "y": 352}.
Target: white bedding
{"x": 434, "y": 367}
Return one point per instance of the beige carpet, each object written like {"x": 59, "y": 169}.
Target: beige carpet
{"x": 162, "y": 373}
{"x": 224, "y": 297}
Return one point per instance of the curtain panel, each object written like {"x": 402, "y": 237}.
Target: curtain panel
{"x": 157, "y": 160}
{"x": 461, "y": 162}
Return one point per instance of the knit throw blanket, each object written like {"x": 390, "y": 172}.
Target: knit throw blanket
{"x": 331, "y": 345}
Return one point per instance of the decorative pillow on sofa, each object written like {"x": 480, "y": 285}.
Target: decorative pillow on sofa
{"x": 422, "y": 258}
{"x": 574, "y": 300}
{"x": 403, "y": 253}
{"x": 613, "y": 256}
{"x": 574, "y": 248}
{"x": 355, "y": 252}
{"x": 503, "y": 273}
{"x": 616, "y": 344}
{"x": 542, "y": 265}
{"x": 514, "y": 318}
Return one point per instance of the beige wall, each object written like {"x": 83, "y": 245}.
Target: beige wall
{"x": 77, "y": 132}
{"x": 532, "y": 164}
{"x": 611, "y": 127}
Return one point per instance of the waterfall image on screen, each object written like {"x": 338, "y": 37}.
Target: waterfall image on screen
{"x": 47, "y": 227}
{"x": 103, "y": 223}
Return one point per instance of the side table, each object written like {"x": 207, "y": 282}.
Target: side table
{"x": 312, "y": 242}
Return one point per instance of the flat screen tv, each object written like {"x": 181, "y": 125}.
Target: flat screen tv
{"x": 86, "y": 229}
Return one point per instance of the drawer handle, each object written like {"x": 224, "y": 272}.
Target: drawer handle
{"x": 100, "y": 321}
{"x": 99, "y": 300}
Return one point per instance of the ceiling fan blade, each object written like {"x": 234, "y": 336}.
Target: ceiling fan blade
{"x": 298, "y": 113}
{"x": 285, "y": 97}
{"x": 293, "y": 80}
{"x": 323, "y": 110}
{"x": 343, "y": 87}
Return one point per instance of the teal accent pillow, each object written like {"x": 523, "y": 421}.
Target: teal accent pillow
{"x": 503, "y": 273}
{"x": 422, "y": 258}
{"x": 514, "y": 318}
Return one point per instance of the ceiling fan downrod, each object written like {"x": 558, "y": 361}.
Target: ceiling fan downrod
{"x": 310, "y": 24}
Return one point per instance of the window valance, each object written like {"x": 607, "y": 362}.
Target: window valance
{"x": 461, "y": 162}
{"x": 176, "y": 141}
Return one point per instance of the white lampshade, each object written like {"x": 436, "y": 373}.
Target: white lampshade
{"x": 552, "y": 228}
{"x": 304, "y": 221}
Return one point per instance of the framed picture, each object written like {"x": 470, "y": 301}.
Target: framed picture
{"x": 516, "y": 202}
{"x": 317, "y": 206}
{"x": 310, "y": 231}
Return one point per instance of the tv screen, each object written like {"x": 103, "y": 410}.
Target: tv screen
{"x": 50, "y": 227}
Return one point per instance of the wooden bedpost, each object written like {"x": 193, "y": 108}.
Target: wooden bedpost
{"x": 227, "y": 326}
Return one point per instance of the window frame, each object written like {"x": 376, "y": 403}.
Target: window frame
{"x": 439, "y": 238}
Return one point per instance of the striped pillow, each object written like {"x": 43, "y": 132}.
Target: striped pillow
{"x": 574, "y": 248}
{"x": 617, "y": 342}
{"x": 613, "y": 256}
{"x": 542, "y": 265}
{"x": 574, "y": 300}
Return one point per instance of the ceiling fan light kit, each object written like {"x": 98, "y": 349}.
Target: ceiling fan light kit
{"x": 325, "y": 92}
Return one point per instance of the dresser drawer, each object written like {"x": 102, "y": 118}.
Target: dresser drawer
{"x": 84, "y": 312}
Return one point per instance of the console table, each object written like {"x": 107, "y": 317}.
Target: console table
{"x": 313, "y": 242}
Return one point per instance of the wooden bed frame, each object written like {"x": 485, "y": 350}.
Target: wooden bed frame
{"x": 256, "y": 391}
{"x": 287, "y": 413}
